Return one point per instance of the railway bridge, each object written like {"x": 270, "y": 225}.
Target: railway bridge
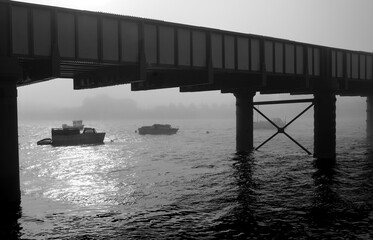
{"x": 40, "y": 43}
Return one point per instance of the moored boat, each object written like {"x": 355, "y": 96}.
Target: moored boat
{"x": 73, "y": 136}
{"x": 158, "y": 129}
{"x": 44, "y": 141}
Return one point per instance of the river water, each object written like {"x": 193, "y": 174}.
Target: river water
{"x": 192, "y": 185}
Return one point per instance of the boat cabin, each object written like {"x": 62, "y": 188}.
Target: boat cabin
{"x": 89, "y": 130}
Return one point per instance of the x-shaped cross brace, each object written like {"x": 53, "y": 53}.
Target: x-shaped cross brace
{"x": 282, "y": 129}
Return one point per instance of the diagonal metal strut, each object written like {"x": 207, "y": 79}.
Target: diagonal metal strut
{"x": 282, "y": 129}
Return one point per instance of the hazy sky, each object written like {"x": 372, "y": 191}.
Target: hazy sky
{"x": 335, "y": 23}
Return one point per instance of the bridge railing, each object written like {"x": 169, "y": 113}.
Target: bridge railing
{"x": 82, "y": 36}
{"x": 352, "y": 65}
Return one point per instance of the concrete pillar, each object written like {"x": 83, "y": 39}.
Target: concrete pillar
{"x": 325, "y": 89}
{"x": 10, "y": 72}
{"x": 244, "y": 121}
{"x": 370, "y": 117}
{"x": 9, "y": 161}
{"x": 324, "y": 125}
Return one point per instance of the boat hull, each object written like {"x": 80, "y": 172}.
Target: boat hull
{"x": 45, "y": 141}
{"x": 78, "y": 139}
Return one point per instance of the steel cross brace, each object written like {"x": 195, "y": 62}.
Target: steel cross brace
{"x": 282, "y": 129}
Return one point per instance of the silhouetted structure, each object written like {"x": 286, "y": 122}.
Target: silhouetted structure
{"x": 95, "y": 49}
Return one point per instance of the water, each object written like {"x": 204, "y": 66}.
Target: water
{"x": 192, "y": 185}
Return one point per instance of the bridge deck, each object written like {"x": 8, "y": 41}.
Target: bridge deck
{"x": 99, "y": 49}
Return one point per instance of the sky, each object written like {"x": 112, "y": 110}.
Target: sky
{"x": 343, "y": 24}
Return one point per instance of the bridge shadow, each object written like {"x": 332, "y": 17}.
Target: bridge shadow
{"x": 243, "y": 167}
{"x": 325, "y": 198}
{"x": 9, "y": 221}
{"x": 251, "y": 216}
{"x": 240, "y": 221}
{"x": 342, "y": 195}
{"x": 325, "y": 207}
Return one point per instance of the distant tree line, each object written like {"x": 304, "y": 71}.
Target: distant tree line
{"x": 105, "y": 107}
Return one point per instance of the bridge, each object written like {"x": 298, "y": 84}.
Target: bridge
{"x": 40, "y": 43}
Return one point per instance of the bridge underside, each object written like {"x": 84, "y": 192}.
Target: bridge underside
{"x": 88, "y": 75}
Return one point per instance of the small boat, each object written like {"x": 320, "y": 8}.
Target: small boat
{"x": 158, "y": 129}
{"x": 76, "y": 124}
{"x": 45, "y": 141}
{"x": 267, "y": 125}
{"x": 73, "y": 136}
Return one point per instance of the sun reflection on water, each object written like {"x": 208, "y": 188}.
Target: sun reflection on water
{"x": 189, "y": 186}
{"x": 88, "y": 176}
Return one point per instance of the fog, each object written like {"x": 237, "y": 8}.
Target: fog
{"x": 105, "y": 107}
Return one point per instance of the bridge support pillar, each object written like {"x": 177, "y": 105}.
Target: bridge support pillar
{"x": 9, "y": 163}
{"x": 324, "y": 125}
{"x": 10, "y": 72}
{"x": 244, "y": 121}
{"x": 325, "y": 89}
{"x": 370, "y": 117}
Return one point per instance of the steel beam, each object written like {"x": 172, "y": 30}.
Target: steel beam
{"x": 168, "y": 78}
{"x": 4, "y": 28}
{"x": 284, "y": 101}
{"x": 107, "y": 76}
{"x": 282, "y": 129}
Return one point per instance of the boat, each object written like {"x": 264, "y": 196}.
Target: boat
{"x": 158, "y": 129}
{"x": 73, "y": 136}
{"x": 267, "y": 125}
{"x": 76, "y": 124}
{"x": 45, "y": 141}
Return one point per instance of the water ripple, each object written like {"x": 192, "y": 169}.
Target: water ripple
{"x": 192, "y": 186}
